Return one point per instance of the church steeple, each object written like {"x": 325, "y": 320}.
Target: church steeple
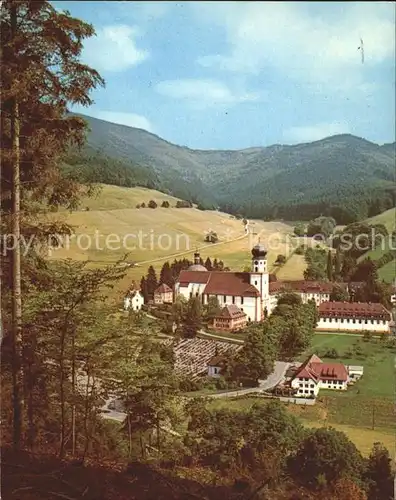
{"x": 197, "y": 257}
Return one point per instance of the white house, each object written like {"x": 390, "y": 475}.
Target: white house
{"x": 319, "y": 291}
{"x": 314, "y": 375}
{"x": 249, "y": 291}
{"x": 354, "y": 317}
{"x": 393, "y": 296}
{"x": 134, "y": 300}
{"x": 216, "y": 366}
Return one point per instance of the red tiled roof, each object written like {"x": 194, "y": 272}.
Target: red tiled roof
{"x": 316, "y": 370}
{"x": 217, "y": 361}
{"x": 228, "y": 283}
{"x": 302, "y": 286}
{"x": 187, "y": 277}
{"x": 231, "y": 311}
{"x": 331, "y": 371}
{"x": 164, "y": 288}
{"x": 353, "y": 310}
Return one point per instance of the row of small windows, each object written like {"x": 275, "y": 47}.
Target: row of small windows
{"x": 353, "y": 321}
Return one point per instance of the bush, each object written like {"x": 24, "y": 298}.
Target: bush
{"x": 331, "y": 353}
{"x": 300, "y": 250}
{"x": 138, "y": 205}
{"x": 183, "y": 204}
{"x": 165, "y": 204}
{"x": 143, "y": 205}
{"x": 152, "y": 204}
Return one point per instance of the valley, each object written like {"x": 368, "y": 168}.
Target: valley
{"x": 166, "y": 233}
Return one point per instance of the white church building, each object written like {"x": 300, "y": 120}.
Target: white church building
{"x": 249, "y": 291}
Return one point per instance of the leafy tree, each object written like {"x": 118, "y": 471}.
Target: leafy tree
{"x": 280, "y": 260}
{"x": 193, "y": 318}
{"x": 299, "y": 230}
{"x": 212, "y": 237}
{"x": 256, "y": 359}
{"x": 326, "y": 455}
{"x": 151, "y": 282}
{"x": 339, "y": 294}
{"x": 349, "y": 266}
{"x": 212, "y": 308}
{"x": 165, "y": 204}
{"x": 379, "y": 474}
{"x": 179, "y": 308}
{"x": 366, "y": 271}
{"x": 152, "y": 204}
{"x": 346, "y": 489}
{"x": 289, "y": 298}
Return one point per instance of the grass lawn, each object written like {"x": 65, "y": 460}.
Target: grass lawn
{"x": 388, "y": 219}
{"x": 293, "y": 269}
{"x": 388, "y": 272}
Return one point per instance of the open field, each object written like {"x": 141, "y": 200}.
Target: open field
{"x": 116, "y": 197}
{"x": 113, "y": 227}
{"x": 293, "y": 269}
{"x": 388, "y": 219}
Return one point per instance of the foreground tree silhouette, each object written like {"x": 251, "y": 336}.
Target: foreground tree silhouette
{"x": 41, "y": 74}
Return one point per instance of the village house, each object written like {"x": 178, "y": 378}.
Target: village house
{"x": 318, "y": 291}
{"x": 354, "y": 317}
{"x": 163, "y": 295}
{"x": 230, "y": 318}
{"x": 134, "y": 300}
{"x": 216, "y": 366}
{"x": 314, "y": 374}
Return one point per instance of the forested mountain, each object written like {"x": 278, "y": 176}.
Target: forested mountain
{"x": 344, "y": 176}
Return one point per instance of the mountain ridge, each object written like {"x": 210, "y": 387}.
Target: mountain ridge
{"x": 259, "y": 181}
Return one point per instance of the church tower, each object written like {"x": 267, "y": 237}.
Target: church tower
{"x": 259, "y": 277}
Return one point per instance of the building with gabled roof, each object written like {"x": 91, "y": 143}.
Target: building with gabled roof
{"x": 133, "y": 300}
{"x": 314, "y": 374}
{"x": 230, "y": 318}
{"x": 354, "y": 316}
{"x": 163, "y": 294}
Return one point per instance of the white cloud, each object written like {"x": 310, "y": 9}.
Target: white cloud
{"x": 114, "y": 49}
{"x": 315, "y": 132}
{"x": 129, "y": 119}
{"x": 202, "y": 93}
{"x": 305, "y": 44}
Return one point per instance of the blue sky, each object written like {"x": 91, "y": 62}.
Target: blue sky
{"x": 230, "y": 75}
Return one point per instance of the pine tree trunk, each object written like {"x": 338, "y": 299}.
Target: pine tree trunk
{"x": 16, "y": 328}
{"x": 74, "y": 398}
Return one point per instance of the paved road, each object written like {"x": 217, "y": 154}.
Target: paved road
{"x": 276, "y": 376}
{"x": 219, "y": 337}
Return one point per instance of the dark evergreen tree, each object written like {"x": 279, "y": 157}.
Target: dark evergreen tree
{"x": 151, "y": 282}
{"x": 329, "y": 266}
{"x": 166, "y": 275}
{"x": 193, "y": 318}
{"x": 208, "y": 264}
{"x": 143, "y": 289}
